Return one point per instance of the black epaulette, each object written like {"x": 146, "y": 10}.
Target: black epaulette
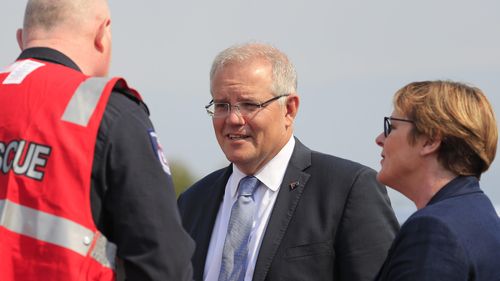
{"x": 125, "y": 91}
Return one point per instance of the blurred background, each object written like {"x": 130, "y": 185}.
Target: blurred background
{"x": 351, "y": 56}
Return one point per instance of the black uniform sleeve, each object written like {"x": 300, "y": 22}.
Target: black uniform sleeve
{"x": 132, "y": 197}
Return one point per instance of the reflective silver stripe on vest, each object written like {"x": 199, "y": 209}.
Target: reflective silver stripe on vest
{"x": 56, "y": 230}
{"x": 84, "y": 101}
{"x": 104, "y": 252}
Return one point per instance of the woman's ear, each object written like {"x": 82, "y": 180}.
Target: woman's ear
{"x": 430, "y": 146}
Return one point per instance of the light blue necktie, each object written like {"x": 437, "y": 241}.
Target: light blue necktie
{"x": 235, "y": 253}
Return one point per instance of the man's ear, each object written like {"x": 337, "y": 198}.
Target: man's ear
{"x": 100, "y": 36}
{"x": 292, "y": 107}
{"x": 430, "y": 146}
{"x": 19, "y": 37}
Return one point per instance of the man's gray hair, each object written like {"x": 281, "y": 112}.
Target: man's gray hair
{"x": 284, "y": 74}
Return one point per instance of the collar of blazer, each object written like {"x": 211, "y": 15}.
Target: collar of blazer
{"x": 291, "y": 189}
{"x": 458, "y": 186}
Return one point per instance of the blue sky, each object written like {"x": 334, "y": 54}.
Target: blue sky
{"x": 351, "y": 56}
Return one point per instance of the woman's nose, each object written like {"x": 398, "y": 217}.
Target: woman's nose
{"x": 380, "y": 139}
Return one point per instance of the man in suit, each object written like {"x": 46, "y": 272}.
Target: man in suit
{"x": 314, "y": 216}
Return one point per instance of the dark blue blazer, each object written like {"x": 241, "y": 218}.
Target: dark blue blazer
{"x": 455, "y": 237}
{"x": 332, "y": 221}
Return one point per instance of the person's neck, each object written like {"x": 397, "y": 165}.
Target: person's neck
{"x": 74, "y": 50}
{"x": 431, "y": 183}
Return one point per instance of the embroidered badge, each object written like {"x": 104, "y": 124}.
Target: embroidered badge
{"x": 157, "y": 147}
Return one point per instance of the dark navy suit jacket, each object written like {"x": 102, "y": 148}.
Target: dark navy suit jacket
{"x": 332, "y": 221}
{"x": 455, "y": 237}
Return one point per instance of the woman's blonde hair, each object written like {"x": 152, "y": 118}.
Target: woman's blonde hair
{"x": 458, "y": 114}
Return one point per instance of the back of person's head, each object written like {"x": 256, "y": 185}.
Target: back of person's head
{"x": 284, "y": 74}
{"x": 459, "y": 115}
{"x": 74, "y": 27}
{"x": 48, "y": 15}
{"x": 52, "y": 16}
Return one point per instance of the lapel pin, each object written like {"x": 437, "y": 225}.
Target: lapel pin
{"x": 293, "y": 185}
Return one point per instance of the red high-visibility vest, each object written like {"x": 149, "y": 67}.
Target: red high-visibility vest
{"x": 49, "y": 119}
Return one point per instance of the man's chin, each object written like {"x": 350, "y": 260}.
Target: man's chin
{"x": 236, "y": 152}
{"x": 238, "y": 159}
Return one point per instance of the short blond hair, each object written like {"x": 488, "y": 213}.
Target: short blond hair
{"x": 458, "y": 114}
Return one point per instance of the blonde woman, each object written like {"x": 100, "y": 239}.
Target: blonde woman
{"x": 438, "y": 141}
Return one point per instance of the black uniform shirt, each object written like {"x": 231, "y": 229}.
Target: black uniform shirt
{"x": 132, "y": 197}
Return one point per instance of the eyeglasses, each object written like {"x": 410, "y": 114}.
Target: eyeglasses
{"x": 388, "y": 125}
{"x": 223, "y": 109}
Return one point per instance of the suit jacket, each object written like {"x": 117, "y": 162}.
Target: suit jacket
{"x": 455, "y": 237}
{"x": 335, "y": 224}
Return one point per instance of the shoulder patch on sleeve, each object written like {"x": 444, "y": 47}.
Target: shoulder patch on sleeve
{"x": 158, "y": 149}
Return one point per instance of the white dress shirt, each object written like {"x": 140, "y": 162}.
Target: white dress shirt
{"x": 270, "y": 177}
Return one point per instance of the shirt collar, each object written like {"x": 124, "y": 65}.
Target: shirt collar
{"x": 50, "y": 55}
{"x": 271, "y": 175}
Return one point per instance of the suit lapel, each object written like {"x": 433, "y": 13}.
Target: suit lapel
{"x": 206, "y": 221}
{"x": 289, "y": 195}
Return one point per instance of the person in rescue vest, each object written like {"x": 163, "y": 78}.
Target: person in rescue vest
{"x": 85, "y": 190}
